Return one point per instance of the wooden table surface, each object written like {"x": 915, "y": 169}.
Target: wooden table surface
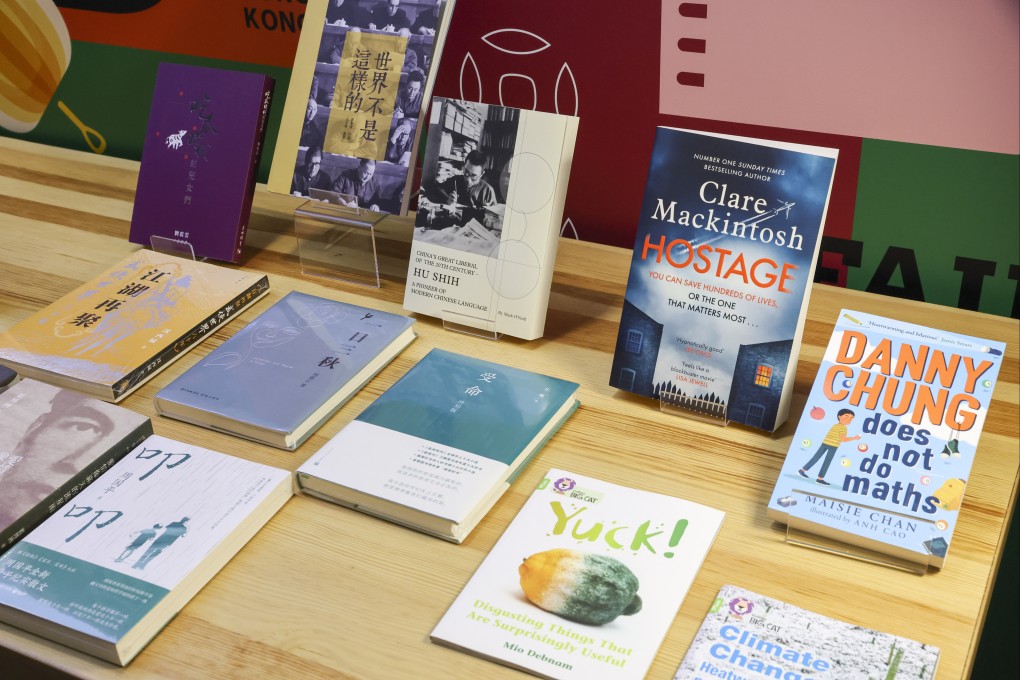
{"x": 326, "y": 592}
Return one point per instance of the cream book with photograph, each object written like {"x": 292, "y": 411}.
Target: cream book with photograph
{"x": 489, "y": 214}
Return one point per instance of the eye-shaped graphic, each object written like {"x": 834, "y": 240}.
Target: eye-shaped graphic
{"x": 515, "y": 41}
{"x": 519, "y": 88}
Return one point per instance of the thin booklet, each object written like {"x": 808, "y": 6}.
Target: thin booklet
{"x": 747, "y": 635}
{"x": 585, "y": 581}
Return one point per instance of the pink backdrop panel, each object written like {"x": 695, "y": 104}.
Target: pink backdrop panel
{"x": 938, "y": 72}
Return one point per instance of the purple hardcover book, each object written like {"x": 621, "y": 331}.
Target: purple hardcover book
{"x": 201, "y": 153}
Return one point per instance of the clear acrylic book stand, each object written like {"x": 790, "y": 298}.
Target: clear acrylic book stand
{"x": 677, "y": 404}
{"x": 172, "y": 246}
{"x": 343, "y": 243}
{"x": 471, "y": 330}
{"x": 338, "y": 242}
{"x": 802, "y": 531}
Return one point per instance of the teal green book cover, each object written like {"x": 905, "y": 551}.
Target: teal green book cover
{"x": 471, "y": 404}
{"x": 443, "y": 441}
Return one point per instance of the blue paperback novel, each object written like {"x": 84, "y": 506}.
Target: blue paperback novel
{"x": 883, "y": 451}
{"x": 721, "y": 272}
{"x": 445, "y": 440}
{"x": 281, "y": 376}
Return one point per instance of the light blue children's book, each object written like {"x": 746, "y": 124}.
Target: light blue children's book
{"x": 883, "y": 451}
{"x": 280, "y": 377}
{"x": 445, "y": 441}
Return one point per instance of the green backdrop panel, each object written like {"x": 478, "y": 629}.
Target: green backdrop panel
{"x": 109, "y": 90}
{"x": 938, "y": 224}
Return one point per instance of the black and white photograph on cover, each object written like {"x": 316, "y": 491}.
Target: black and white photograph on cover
{"x": 416, "y": 16}
{"x": 47, "y": 437}
{"x": 356, "y": 185}
{"x": 309, "y": 175}
{"x": 465, "y": 175}
{"x": 354, "y": 111}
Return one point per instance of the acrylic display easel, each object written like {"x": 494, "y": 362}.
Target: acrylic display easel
{"x": 471, "y": 330}
{"x": 695, "y": 409}
{"x": 172, "y": 246}
{"x": 337, "y": 242}
{"x": 802, "y": 531}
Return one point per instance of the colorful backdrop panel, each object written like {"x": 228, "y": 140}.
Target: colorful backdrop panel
{"x": 920, "y": 97}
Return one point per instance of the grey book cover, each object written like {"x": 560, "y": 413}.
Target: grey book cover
{"x": 281, "y": 368}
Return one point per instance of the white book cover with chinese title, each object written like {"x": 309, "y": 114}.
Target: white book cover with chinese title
{"x": 116, "y": 563}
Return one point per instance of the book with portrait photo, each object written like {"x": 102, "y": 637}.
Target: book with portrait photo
{"x": 437, "y": 449}
{"x": 53, "y": 443}
{"x": 117, "y": 330}
{"x": 201, "y": 153}
{"x": 493, "y": 185}
{"x": 105, "y": 573}
{"x": 362, "y": 77}
{"x": 280, "y": 377}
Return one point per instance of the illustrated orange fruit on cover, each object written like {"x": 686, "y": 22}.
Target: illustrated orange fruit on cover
{"x": 582, "y": 587}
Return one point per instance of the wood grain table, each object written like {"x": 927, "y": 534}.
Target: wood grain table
{"x": 326, "y": 592}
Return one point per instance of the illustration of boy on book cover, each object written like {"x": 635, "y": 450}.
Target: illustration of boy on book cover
{"x": 914, "y": 399}
{"x": 836, "y": 435}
